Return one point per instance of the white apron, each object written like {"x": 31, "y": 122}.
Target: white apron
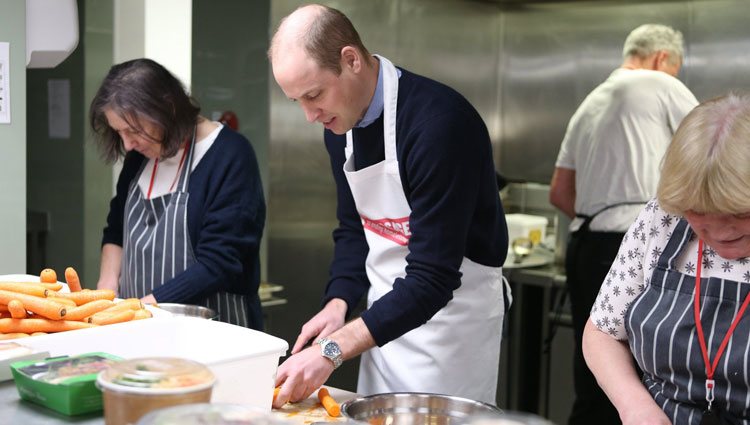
{"x": 456, "y": 352}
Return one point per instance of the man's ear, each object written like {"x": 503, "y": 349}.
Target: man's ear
{"x": 661, "y": 58}
{"x": 351, "y": 59}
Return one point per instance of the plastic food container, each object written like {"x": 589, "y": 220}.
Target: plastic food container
{"x": 135, "y": 387}
{"x": 64, "y": 384}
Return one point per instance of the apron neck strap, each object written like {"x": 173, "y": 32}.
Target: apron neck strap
{"x": 185, "y": 172}
{"x": 390, "y": 99}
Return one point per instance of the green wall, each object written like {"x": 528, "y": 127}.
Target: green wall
{"x": 230, "y": 70}
{"x": 97, "y": 177}
{"x": 13, "y": 143}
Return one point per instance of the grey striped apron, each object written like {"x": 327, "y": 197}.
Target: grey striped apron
{"x": 662, "y": 338}
{"x": 156, "y": 246}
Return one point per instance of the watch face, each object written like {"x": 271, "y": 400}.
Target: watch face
{"x": 331, "y": 349}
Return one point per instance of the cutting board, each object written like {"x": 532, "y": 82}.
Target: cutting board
{"x": 310, "y": 410}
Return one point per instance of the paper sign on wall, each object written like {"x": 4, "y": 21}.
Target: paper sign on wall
{"x": 4, "y": 82}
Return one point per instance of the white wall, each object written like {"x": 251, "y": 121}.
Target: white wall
{"x": 13, "y": 144}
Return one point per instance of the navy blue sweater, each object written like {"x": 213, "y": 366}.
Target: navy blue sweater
{"x": 226, "y": 214}
{"x": 448, "y": 176}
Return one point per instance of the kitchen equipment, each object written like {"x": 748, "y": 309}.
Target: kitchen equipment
{"x": 243, "y": 360}
{"x": 136, "y": 387}
{"x": 189, "y": 310}
{"x": 414, "y": 409}
{"x": 532, "y": 227}
{"x": 211, "y": 414}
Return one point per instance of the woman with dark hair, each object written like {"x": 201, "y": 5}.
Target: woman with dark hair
{"x": 186, "y": 221}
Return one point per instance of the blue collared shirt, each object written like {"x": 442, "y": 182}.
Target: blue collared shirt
{"x": 376, "y": 105}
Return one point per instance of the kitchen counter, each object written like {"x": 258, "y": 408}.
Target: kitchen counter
{"x": 16, "y": 411}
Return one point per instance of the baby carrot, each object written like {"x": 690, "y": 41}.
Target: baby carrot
{"x": 48, "y": 276}
{"x": 30, "y": 288}
{"x": 71, "y": 277}
{"x": 16, "y": 309}
{"x": 86, "y": 310}
{"x": 87, "y": 295}
{"x": 41, "y": 306}
{"x": 40, "y": 325}
{"x": 328, "y": 402}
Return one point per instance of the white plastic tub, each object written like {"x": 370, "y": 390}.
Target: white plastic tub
{"x": 244, "y": 361}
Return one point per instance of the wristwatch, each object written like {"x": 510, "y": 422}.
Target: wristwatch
{"x": 330, "y": 350}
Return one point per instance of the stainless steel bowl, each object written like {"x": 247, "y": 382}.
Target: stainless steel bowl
{"x": 415, "y": 409}
{"x": 189, "y": 310}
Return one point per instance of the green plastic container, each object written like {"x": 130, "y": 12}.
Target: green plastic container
{"x": 64, "y": 384}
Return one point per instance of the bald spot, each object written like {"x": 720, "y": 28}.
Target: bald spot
{"x": 288, "y": 38}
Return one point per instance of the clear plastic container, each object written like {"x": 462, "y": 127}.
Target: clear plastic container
{"x": 135, "y": 387}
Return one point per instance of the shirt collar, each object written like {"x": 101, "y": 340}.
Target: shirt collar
{"x": 376, "y": 105}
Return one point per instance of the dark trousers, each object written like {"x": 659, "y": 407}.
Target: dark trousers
{"x": 587, "y": 261}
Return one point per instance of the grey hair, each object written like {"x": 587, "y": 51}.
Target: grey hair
{"x": 648, "y": 39}
{"x": 704, "y": 169}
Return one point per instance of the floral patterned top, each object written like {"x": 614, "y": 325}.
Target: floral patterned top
{"x": 640, "y": 249}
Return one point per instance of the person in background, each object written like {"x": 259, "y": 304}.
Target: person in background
{"x": 607, "y": 168}
{"x": 675, "y": 299}
{"x": 421, "y": 228}
{"x": 187, "y": 218}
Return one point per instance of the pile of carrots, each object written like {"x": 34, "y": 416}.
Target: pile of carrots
{"x": 38, "y": 308}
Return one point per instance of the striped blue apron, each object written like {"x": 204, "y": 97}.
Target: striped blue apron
{"x": 662, "y": 338}
{"x": 156, "y": 246}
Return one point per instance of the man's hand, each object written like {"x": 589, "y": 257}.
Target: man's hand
{"x": 328, "y": 320}
{"x": 301, "y": 374}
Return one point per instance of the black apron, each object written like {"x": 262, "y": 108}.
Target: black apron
{"x": 662, "y": 338}
{"x": 156, "y": 246}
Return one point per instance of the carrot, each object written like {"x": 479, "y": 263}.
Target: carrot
{"x": 3, "y": 308}
{"x": 13, "y": 335}
{"x": 329, "y": 403}
{"x": 17, "y": 310}
{"x": 29, "y": 288}
{"x": 38, "y": 333}
{"x": 104, "y": 318}
{"x": 142, "y": 314}
{"x": 87, "y": 295}
{"x": 63, "y": 301}
{"x": 71, "y": 277}
{"x": 40, "y": 306}
{"x": 276, "y": 393}
{"x": 86, "y": 310}
{"x": 131, "y": 303}
{"x": 48, "y": 276}
{"x": 40, "y": 325}
{"x": 52, "y": 286}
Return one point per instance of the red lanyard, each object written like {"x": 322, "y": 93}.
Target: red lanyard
{"x": 156, "y": 165}
{"x": 711, "y": 367}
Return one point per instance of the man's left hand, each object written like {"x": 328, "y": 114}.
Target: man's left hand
{"x": 301, "y": 374}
